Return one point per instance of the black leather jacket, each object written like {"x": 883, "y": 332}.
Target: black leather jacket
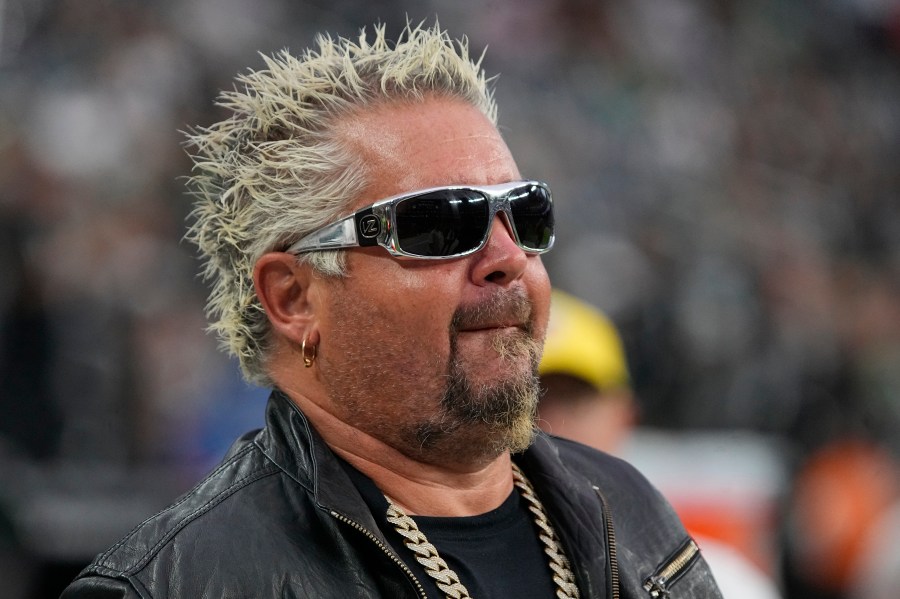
{"x": 280, "y": 517}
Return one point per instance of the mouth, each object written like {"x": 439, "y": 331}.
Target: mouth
{"x": 494, "y": 326}
{"x": 511, "y": 310}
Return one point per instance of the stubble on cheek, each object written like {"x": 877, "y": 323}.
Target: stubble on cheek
{"x": 378, "y": 380}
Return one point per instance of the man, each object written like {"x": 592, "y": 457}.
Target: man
{"x": 401, "y": 330}
{"x": 587, "y": 389}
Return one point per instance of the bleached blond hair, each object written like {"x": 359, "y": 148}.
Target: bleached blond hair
{"x": 275, "y": 170}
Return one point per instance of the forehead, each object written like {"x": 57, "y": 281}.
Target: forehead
{"x": 436, "y": 141}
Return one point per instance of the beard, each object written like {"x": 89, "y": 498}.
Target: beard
{"x": 500, "y": 415}
{"x": 429, "y": 407}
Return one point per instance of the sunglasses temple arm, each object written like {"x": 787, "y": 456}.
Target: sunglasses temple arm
{"x": 341, "y": 234}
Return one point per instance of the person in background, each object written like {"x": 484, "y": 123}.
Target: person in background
{"x": 375, "y": 259}
{"x": 587, "y": 388}
{"x": 588, "y": 397}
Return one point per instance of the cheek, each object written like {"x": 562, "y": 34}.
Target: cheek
{"x": 411, "y": 281}
{"x": 418, "y": 308}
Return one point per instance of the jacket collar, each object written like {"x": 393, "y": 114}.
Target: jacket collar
{"x": 573, "y": 503}
{"x": 292, "y": 444}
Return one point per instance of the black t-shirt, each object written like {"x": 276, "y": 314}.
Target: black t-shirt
{"x": 496, "y": 554}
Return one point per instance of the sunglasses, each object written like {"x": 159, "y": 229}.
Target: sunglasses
{"x": 442, "y": 222}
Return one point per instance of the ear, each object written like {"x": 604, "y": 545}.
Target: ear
{"x": 283, "y": 287}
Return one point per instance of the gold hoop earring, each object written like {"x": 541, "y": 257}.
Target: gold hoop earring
{"x": 308, "y": 356}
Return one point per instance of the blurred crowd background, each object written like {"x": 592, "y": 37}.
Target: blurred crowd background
{"x": 728, "y": 188}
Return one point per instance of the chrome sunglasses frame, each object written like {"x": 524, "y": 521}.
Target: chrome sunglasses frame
{"x": 376, "y": 225}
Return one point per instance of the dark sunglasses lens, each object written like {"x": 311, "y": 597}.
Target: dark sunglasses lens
{"x": 532, "y": 212}
{"x": 442, "y": 223}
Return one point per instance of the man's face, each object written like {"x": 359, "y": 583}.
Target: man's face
{"x": 435, "y": 358}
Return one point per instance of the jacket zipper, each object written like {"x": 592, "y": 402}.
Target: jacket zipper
{"x": 658, "y": 584}
{"x": 385, "y": 549}
{"x": 611, "y": 544}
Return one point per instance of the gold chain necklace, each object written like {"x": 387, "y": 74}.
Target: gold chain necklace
{"x": 448, "y": 581}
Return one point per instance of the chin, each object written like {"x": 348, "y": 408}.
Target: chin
{"x": 479, "y": 421}
{"x": 475, "y": 445}
{"x": 518, "y": 438}
{"x": 489, "y": 404}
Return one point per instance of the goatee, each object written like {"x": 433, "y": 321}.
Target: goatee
{"x": 489, "y": 419}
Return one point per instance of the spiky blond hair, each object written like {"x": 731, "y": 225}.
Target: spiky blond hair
{"x": 274, "y": 170}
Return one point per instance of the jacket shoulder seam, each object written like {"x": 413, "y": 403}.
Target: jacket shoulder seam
{"x": 103, "y": 561}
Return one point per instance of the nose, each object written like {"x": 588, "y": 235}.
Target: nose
{"x": 500, "y": 261}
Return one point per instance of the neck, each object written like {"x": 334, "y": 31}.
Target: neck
{"x": 431, "y": 490}
{"x": 434, "y": 488}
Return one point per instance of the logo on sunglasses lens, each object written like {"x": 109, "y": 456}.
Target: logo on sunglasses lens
{"x": 369, "y": 226}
